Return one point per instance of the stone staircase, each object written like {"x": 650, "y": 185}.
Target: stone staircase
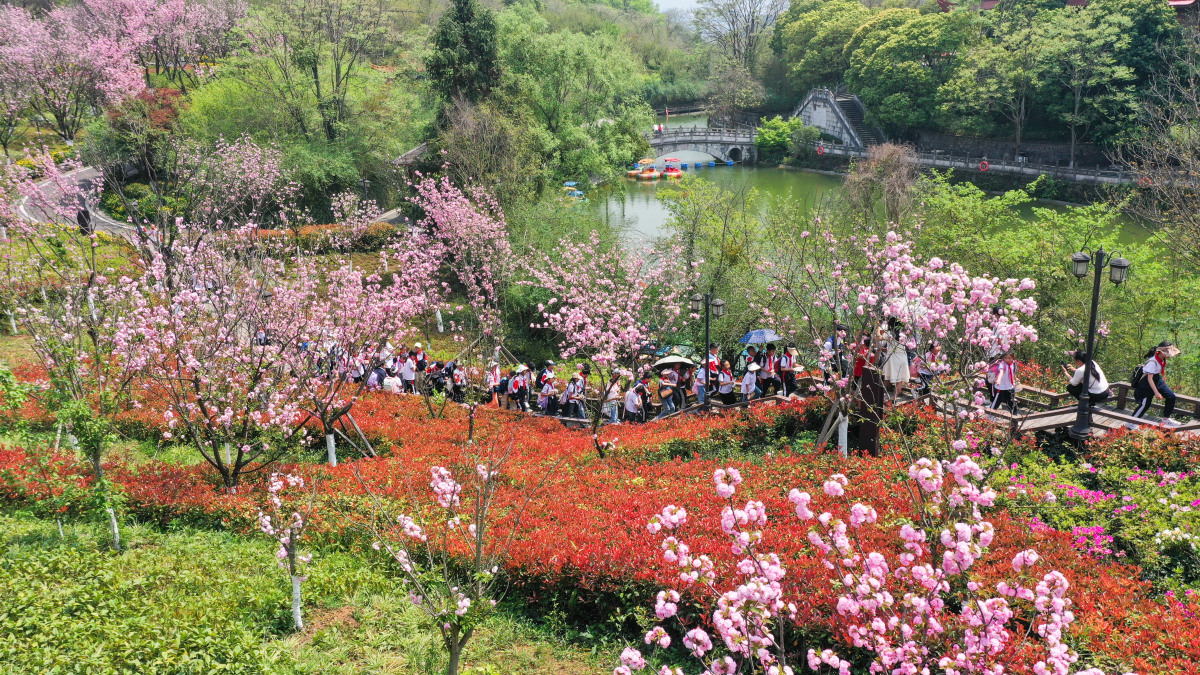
{"x": 855, "y": 113}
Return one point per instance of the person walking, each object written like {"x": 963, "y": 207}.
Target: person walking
{"x": 633, "y": 403}
{"x": 1152, "y": 382}
{"x": 548, "y": 396}
{"x": 408, "y": 372}
{"x": 725, "y": 384}
{"x": 893, "y": 356}
{"x": 518, "y": 387}
{"x": 788, "y": 364}
{"x": 611, "y": 401}
{"x": 770, "y": 365}
{"x": 1097, "y": 382}
{"x": 750, "y": 383}
{"x": 574, "y": 395}
{"x": 1005, "y": 372}
{"x": 712, "y": 366}
{"x": 668, "y": 383}
{"x": 701, "y": 386}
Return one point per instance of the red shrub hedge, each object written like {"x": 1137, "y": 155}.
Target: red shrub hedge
{"x": 585, "y": 530}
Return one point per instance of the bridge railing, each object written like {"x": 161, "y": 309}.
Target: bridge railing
{"x": 703, "y": 134}
{"x": 968, "y": 163}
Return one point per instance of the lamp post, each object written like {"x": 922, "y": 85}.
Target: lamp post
{"x": 713, "y": 307}
{"x": 1118, "y": 273}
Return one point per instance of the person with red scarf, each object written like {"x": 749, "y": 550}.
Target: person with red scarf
{"x": 1152, "y": 382}
{"x": 770, "y": 375}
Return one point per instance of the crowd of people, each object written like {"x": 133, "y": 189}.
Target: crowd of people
{"x": 653, "y": 393}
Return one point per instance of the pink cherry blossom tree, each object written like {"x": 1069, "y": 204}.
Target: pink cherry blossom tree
{"x": 175, "y": 38}
{"x": 287, "y": 529}
{"x": 919, "y": 611}
{"x": 350, "y": 318}
{"x": 871, "y": 285}
{"x": 449, "y": 551}
{"x": 222, "y": 390}
{"x": 67, "y": 66}
{"x": 609, "y": 301}
{"x": 470, "y": 226}
{"x": 71, "y": 296}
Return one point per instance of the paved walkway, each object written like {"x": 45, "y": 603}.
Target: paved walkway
{"x": 88, "y": 180}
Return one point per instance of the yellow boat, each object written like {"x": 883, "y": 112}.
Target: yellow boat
{"x": 650, "y": 174}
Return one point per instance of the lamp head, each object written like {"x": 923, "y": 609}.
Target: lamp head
{"x": 1079, "y": 264}
{"x": 1118, "y": 270}
{"x": 718, "y": 307}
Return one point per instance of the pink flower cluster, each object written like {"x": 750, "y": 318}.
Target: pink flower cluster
{"x": 902, "y": 610}
{"x": 444, "y": 487}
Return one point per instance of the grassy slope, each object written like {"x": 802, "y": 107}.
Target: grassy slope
{"x": 199, "y": 601}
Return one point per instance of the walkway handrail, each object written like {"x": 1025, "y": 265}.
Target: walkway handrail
{"x": 973, "y": 164}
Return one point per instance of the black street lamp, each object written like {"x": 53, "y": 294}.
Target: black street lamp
{"x": 715, "y": 307}
{"x": 1118, "y": 272}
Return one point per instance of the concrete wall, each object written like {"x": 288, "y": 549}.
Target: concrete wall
{"x": 1087, "y": 155}
{"x": 823, "y": 114}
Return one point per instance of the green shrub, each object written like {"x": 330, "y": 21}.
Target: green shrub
{"x": 196, "y": 605}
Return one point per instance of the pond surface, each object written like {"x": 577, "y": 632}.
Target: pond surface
{"x": 632, "y": 206}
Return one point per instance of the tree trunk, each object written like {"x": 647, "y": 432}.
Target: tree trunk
{"x": 116, "y": 532}
{"x": 12, "y": 319}
{"x": 843, "y": 427}
{"x": 297, "y": 615}
{"x": 455, "y": 657}
{"x": 331, "y": 448}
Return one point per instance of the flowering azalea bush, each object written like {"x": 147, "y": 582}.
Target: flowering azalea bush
{"x": 583, "y": 544}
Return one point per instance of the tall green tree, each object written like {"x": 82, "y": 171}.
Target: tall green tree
{"x": 307, "y": 56}
{"x": 814, "y": 44}
{"x": 1082, "y": 45}
{"x": 898, "y": 71}
{"x": 465, "y": 58}
{"x": 1000, "y": 76}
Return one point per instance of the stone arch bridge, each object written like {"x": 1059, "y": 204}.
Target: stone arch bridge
{"x": 724, "y": 144}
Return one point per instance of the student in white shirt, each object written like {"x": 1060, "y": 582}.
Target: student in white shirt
{"x": 1152, "y": 382}
{"x": 393, "y": 384}
{"x": 725, "y": 383}
{"x": 1005, "y": 372}
{"x": 612, "y": 399}
{"x": 633, "y": 404}
{"x": 548, "y": 396}
{"x": 408, "y": 372}
{"x": 749, "y": 383}
{"x": 1097, "y": 382}
{"x": 701, "y": 385}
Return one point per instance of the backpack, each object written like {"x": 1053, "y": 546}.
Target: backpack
{"x": 1136, "y": 378}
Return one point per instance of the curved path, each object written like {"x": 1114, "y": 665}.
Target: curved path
{"x": 88, "y": 180}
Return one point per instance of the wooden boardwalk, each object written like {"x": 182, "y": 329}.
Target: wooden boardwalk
{"x": 1038, "y": 410}
{"x": 1041, "y": 410}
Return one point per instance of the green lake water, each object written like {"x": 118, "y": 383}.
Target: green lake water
{"x": 633, "y": 207}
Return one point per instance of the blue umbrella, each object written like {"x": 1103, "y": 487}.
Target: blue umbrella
{"x": 759, "y": 336}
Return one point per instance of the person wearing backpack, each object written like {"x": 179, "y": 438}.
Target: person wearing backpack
{"x": 1152, "y": 384}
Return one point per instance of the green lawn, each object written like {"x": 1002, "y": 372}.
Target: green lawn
{"x": 192, "y": 601}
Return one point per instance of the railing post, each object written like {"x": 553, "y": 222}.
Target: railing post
{"x": 1122, "y": 394}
